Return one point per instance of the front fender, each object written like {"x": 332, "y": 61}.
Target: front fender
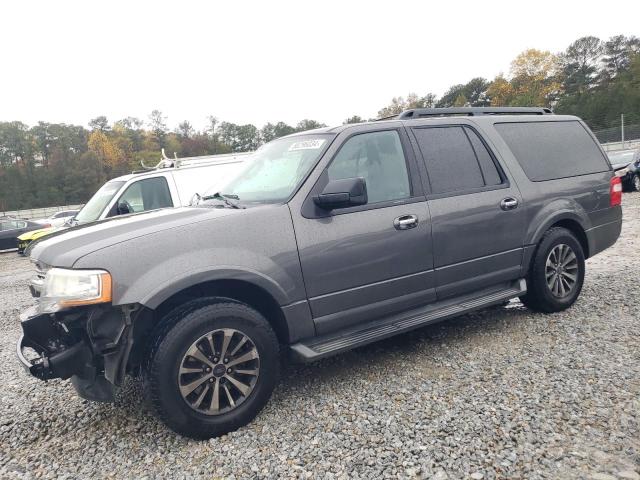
{"x": 192, "y": 278}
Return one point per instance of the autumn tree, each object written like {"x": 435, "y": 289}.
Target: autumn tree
{"x": 105, "y": 150}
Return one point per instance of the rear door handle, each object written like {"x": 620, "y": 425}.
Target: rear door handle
{"x": 509, "y": 203}
{"x": 405, "y": 222}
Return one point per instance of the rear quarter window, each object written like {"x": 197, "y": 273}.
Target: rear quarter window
{"x": 552, "y": 150}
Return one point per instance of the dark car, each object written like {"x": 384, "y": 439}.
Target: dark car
{"x": 626, "y": 165}
{"x": 12, "y": 228}
{"x": 328, "y": 240}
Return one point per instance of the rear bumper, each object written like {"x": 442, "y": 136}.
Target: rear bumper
{"x": 603, "y": 236}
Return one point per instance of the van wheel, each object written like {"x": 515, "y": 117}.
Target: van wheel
{"x": 212, "y": 369}
{"x": 557, "y": 272}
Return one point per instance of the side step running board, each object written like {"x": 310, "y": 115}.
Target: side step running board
{"x": 331, "y": 344}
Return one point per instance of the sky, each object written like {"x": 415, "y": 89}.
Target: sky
{"x": 268, "y": 61}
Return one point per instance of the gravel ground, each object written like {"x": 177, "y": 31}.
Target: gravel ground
{"x": 503, "y": 393}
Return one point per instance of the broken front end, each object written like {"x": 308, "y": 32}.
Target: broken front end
{"x": 73, "y": 332}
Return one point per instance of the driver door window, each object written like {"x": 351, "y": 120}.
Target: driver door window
{"x": 144, "y": 195}
{"x": 379, "y": 159}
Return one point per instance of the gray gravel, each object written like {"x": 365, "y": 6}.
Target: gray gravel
{"x": 504, "y": 393}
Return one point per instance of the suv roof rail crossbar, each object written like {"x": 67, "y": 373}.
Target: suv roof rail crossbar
{"x": 472, "y": 111}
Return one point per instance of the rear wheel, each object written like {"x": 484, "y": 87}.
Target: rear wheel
{"x": 557, "y": 272}
{"x": 213, "y": 370}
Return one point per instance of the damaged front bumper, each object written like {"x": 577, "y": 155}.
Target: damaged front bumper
{"x": 89, "y": 345}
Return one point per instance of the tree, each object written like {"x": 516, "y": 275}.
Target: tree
{"x": 400, "y": 104}
{"x": 580, "y": 63}
{"x": 272, "y": 131}
{"x": 240, "y": 138}
{"x": 158, "y": 125}
{"x": 500, "y": 92}
{"x": 306, "y": 124}
{"x": 618, "y": 51}
{"x": 99, "y": 123}
{"x": 185, "y": 130}
{"x": 105, "y": 150}
{"x": 354, "y": 119}
{"x": 535, "y": 81}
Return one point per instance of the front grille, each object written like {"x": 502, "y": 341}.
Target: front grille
{"x": 35, "y": 286}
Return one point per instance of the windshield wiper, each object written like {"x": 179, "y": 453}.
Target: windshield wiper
{"x": 229, "y": 200}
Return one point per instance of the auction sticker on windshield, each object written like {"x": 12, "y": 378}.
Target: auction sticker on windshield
{"x": 307, "y": 144}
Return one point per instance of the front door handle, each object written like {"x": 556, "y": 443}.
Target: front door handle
{"x": 405, "y": 222}
{"x": 509, "y": 203}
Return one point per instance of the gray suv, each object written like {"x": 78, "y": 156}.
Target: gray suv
{"x": 327, "y": 240}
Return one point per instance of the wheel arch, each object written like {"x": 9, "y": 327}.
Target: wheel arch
{"x": 238, "y": 290}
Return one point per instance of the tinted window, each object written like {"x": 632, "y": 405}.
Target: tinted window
{"x": 550, "y": 150}
{"x": 451, "y": 162}
{"x": 148, "y": 194}
{"x": 12, "y": 225}
{"x": 378, "y": 158}
{"x": 489, "y": 170}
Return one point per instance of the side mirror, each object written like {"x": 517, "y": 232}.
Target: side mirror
{"x": 123, "y": 208}
{"x": 347, "y": 192}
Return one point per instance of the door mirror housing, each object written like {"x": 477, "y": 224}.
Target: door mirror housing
{"x": 343, "y": 193}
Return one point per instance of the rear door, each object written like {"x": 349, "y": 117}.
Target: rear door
{"x": 362, "y": 262}
{"x": 476, "y": 210}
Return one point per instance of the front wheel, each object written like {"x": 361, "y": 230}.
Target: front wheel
{"x": 635, "y": 183}
{"x": 213, "y": 370}
{"x": 557, "y": 272}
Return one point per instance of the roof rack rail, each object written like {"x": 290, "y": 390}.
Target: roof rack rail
{"x": 175, "y": 162}
{"x": 472, "y": 111}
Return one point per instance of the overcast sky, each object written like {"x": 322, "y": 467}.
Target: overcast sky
{"x": 254, "y": 62}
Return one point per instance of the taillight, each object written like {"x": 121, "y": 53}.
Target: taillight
{"x": 615, "y": 192}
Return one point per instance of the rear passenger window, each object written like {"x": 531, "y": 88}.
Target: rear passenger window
{"x": 488, "y": 166}
{"x": 378, "y": 158}
{"x": 453, "y": 164}
{"x": 551, "y": 150}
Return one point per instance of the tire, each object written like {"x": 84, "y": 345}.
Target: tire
{"x": 635, "y": 183}
{"x": 548, "y": 286}
{"x": 201, "y": 327}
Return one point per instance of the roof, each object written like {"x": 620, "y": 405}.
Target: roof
{"x": 411, "y": 115}
{"x": 184, "y": 163}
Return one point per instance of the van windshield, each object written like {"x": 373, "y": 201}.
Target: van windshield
{"x": 96, "y": 205}
{"x": 275, "y": 170}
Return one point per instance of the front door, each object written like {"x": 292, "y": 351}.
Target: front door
{"x": 366, "y": 261}
{"x": 476, "y": 211}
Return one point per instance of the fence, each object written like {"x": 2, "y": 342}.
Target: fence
{"x": 38, "y": 212}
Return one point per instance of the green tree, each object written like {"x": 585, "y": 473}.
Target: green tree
{"x": 272, "y": 131}
{"x": 354, "y": 119}
{"x": 99, "y": 123}
{"x": 580, "y": 62}
{"x": 306, "y": 124}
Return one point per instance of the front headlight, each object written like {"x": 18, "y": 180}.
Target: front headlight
{"x": 64, "y": 288}
{"x": 622, "y": 172}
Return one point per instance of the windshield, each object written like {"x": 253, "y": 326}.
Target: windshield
{"x": 274, "y": 171}
{"x": 94, "y": 207}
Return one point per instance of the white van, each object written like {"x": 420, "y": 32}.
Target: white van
{"x": 173, "y": 183}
